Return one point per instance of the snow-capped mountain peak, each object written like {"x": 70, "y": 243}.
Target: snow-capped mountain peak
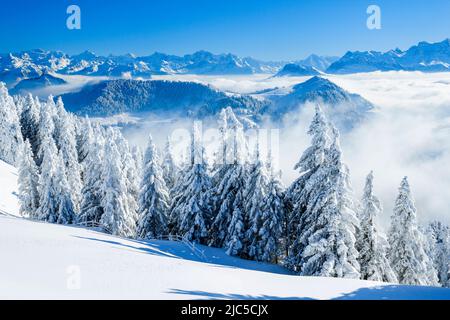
{"x": 292, "y": 69}
{"x": 425, "y": 56}
{"x": 346, "y": 110}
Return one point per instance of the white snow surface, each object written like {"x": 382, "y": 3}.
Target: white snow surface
{"x": 8, "y": 190}
{"x": 46, "y": 261}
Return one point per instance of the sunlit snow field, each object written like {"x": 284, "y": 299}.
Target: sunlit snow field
{"x": 52, "y": 261}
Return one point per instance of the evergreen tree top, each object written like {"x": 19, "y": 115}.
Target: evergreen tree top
{"x": 368, "y": 188}
{"x": 150, "y": 152}
{"x": 405, "y": 202}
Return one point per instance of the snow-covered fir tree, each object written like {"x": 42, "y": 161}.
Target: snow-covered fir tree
{"x": 327, "y": 222}
{"x": 255, "y": 194}
{"x": 28, "y": 182}
{"x": 232, "y": 190}
{"x": 29, "y": 122}
{"x": 169, "y": 166}
{"x": 91, "y": 209}
{"x": 118, "y": 217}
{"x": 64, "y": 203}
{"x": 221, "y": 152}
{"x": 138, "y": 159}
{"x": 52, "y": 110}
{"x": 55, "y": 201}
{"x": 230, "y": 177}
{"x": 407, "y": 252}
{"x": 47, "y": 190}
{"x": 10, "y": 131}
{"x": 153, "y": 198}
{"x": 234, "y": 242}
{"x": 297, "y": 196}
{"x": 438, "y": 236}
{"x": 371, "y": 245}
{"x": 273, "y": 218}
{"x": 19, "y": 102}
{"x": 59, "y": 115}
{"x": 130, "y": 168}
{"x": 66, "y": 144}
{"x": 82, "y": 132}
{"x": 336, "y": 222}
{"x": 46, "y": 129}
{"x": 191, "y": 209}
{"x": 219, "y": 168}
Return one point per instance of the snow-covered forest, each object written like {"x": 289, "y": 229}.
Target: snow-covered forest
{"x": 73, "y": 170}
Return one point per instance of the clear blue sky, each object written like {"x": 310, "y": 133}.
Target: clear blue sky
{"x": 271, "y": 30}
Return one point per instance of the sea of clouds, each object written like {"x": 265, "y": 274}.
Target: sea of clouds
{"x": 409, "y": 136}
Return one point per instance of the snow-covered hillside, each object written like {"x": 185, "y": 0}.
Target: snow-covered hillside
{"x": 161, "y": 97}
{"x": 345, "y": 109}
{"x": 41, "y": 82}
{"x": 46, "y": 261}
{"x": 9, "y": 203}
{"x": 191, "y": 99}
{"x": 60, "y": 262}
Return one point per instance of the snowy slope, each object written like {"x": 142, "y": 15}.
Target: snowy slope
{"x": 8, "y": 190}
{"x": 40, "y": 260}
{"x": 44, "y": 81}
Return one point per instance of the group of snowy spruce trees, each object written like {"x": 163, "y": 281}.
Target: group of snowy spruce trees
{"x": 75, "y": 171}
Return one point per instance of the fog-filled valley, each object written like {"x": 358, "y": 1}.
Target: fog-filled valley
{"x": 406, "y": 134}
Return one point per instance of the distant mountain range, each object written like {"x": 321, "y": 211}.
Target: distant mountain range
{"x": 15, "y": 67}
{"x": 426, "y": 57}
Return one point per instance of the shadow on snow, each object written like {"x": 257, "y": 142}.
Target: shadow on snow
{"x": 178, "y": 250}
{"x": 230, "y": 296}
{"x": 396, "y": 292}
